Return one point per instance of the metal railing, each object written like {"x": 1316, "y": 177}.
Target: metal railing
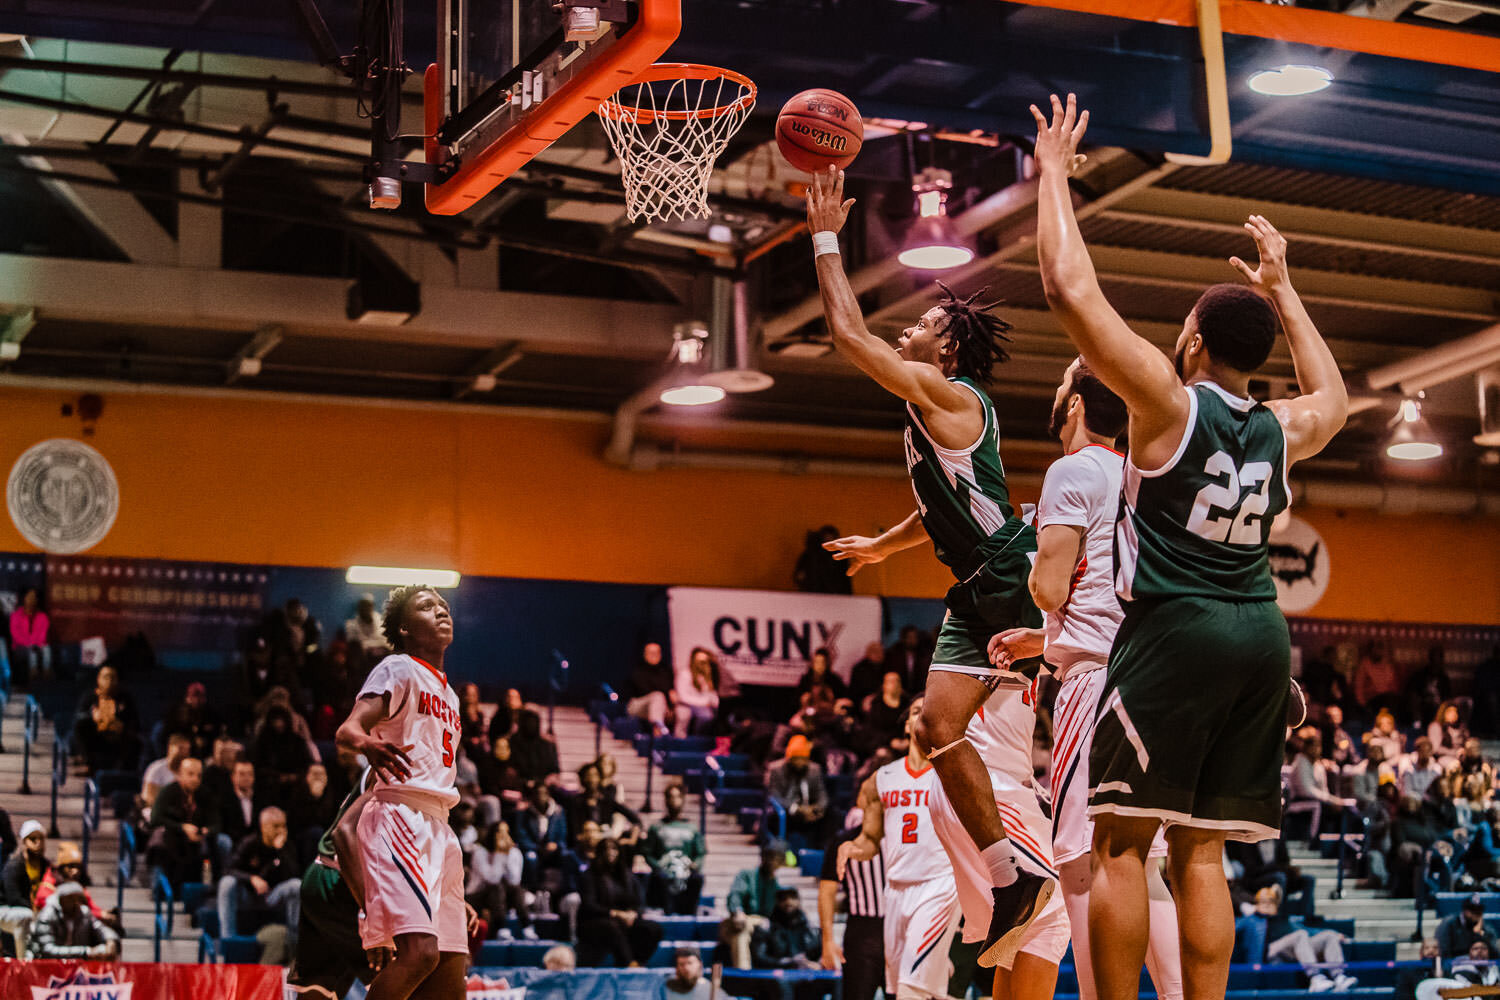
{"x": 59, "y": 778}
{"x": 776, "y": 812}
{"x": 90, "y": 817}
{"x": 32, "y": 727}
{"x": 124, "y": 865}
{"x": 4, "y": 700}
{"x": 161, "y": 898}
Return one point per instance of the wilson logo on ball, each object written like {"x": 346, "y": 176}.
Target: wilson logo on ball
{"x": 837, "y": 143}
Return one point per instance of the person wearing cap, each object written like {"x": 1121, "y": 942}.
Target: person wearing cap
{"x": 796, "y": 784}
{"x": 18, "y": 884}
{"x": 68, "y": 867}
{"x": 67, "y": 929}
{"x": 1457, "y": 934}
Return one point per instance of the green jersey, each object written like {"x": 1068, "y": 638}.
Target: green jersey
{"x": 961, "y": 495}
{"x": 325, "y": 843}
{"x": 1199, "y": 524}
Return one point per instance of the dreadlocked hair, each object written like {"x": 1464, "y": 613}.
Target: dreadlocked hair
{"x": 977, "y": 335}
{"x": 394, "y": 614}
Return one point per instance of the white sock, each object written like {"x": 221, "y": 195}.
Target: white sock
{"x": 1000, "y": 858}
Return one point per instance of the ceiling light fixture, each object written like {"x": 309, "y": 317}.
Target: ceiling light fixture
{"x": 401, "y": 576}
{"x": 1411, "y": 438}
{"x": 933, "y": 244}
{"x": 690, "y": 354}
{"x": 1290, "y": 81}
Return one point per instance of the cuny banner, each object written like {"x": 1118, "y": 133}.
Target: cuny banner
{"x": 768, "y": 636}
{"x": 43, "y": 980}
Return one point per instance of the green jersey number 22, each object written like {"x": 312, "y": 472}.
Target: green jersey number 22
{"x": 1240, "y": 524}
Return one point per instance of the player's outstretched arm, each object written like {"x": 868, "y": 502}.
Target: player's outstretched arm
{"x": 867, "y": 844}
{"x": 922, "y": 385}
{"x": 1313, "y": 418}
{"x": 860, "y": 551}
{"x": 1129, "y": 364}
{"x": 391, "y": 762}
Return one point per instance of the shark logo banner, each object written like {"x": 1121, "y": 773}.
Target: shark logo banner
{"x": 1299, "y": 564}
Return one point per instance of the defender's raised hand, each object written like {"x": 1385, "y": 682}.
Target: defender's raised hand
{"x": 1271, "y": 246}
{"x": 826, "y": 206}
{"x": 1057, "y": 140}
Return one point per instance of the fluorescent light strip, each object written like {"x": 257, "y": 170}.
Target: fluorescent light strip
{"x": 401, "y": 576}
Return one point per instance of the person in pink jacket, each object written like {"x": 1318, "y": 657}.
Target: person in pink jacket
{"x": 28, "y": 636}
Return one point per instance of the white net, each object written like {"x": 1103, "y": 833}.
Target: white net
{"x": 667, "y": 133}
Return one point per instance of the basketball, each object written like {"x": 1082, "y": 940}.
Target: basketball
{"x": 818, "y": 128}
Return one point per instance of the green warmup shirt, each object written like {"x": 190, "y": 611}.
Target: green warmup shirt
{"x": 1199, "y": 525}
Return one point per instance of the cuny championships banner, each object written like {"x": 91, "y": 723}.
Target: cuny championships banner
{"x": 41, "y": 980}
{"x": 768, "y": 636}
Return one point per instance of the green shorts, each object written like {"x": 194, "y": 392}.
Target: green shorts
{"x": 1192, "y": 721}
{"x": 993, "y": 600}
{"x": 329, "y": 954}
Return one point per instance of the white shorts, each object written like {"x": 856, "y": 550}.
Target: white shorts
{"x": 1076, "y": 708}
{"x": 414, "y": 877}
{"x": 1030, "y": 834}
{"x": 920, "y": 918}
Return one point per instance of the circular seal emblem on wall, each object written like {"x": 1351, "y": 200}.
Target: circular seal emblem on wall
{"x": 1299, "y": 564}
{"x": 63, "y": 496}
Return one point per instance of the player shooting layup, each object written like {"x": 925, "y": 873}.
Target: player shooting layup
{"x": 953, "y": 454}
{"x": 1194, "y": 708}
{"x": 1073, "y": 582}
{"x": 406, "y": 724}
{"x": 921, "y": 901}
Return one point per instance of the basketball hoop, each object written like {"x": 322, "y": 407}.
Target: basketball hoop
{"x": 668, "y": 127}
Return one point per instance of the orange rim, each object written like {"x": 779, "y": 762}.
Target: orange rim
{"x": 663, "y": 72}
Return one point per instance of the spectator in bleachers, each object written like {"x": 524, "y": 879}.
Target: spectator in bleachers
{"x": 1324, "y": 684}
{"x": 1268, "y": 864}
{"x": 473, "y": 733}
{"x": 751, "y": 900}
{"x": 363, "y": 631}
{"x": 196, "y": 719}
{"x": 238, "y": 812}
{"x": 820, "y": 671}
{"x": 67, "y": 929}
{"x": 696, "y": 701}
{"x": 263, "y": 876}
{"x": 609, "y": 919}
{"x": 218, "y": 771}
{"x": 1377, "y": 683}
{"x": 461, "y": 821}
{"x": 590, "y": 803}
{"x": 1428, "y": 687}
{"x": 687, "y": 978}
{"x": 163, "y": 771}
{"x": 575, "y": 865}
{"x": 796, "y": 784}
{"x": 281, "y": 697}
{"x": 534, "y": 755}
{"x": 1412, "y": 832}
{"x": 106, "y": 726}
{"x": 1418, "y": 769}
{"x": 609, "y": 768}
{"x": 1472, "y": 761}
{"x": 503, "y": 720}
{"x": 494, "y": 883}
{"x": 1362, "y": 781}
{"x": 1467, "y": 972}
{"x": 1320, "y": 953}
{"x": 866, "y": 676}
{"x": 816, "y": 570}
{"x": 311, "y": 811}
{"x": 28, "y": 636}
{"x": 1481, "y": 858}
{"x": 1477, "y": 793}
{"x": 68, "y": 867}
{"x": 1335, "y": 735}
{"x": 541, "y": 832}
{"x": 674, "y": 849}
{"x": 19, "y": 880}
{"x": 1458, "y": 933}
{"x": 498, "y": 776}
{"x": 1309, "y": 775}
{"x": 560, "y": 958}
{"x": 910, "y": 657}
{"x": 787, "y": 940}
{"x": 1385, "y": 735}
{"x": 487, "y": 808}
{"x": 884, "y": 725}
{"x": 280, "y": 756}
{"x": 650, "y": 691}
{"x": 181, "y": 821}
{"x": 1447, "y": 733}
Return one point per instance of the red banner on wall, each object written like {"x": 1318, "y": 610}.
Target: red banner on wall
{"x": 39, "y": 980}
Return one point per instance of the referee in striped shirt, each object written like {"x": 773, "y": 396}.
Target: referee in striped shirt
{"x": 863, "y": 954}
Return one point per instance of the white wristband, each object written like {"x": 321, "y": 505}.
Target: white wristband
{"x": 826, "y": 241}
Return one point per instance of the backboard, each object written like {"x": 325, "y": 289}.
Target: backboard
{"x": 513, "y": 75}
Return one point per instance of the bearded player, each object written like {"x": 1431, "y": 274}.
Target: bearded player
{"x": 921, "y": 901}
{"x": 1193, "y": 713}
{"x": 939, "y": 368}
{"x": 1073, "y": 583}
{"x": 406, "y": 725}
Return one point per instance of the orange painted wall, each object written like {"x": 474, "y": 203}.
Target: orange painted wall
{"x": 311, "y": 484}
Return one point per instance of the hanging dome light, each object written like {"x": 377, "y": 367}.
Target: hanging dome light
{"x": 689, "y": 355}
{"x": 1411, "y": 438}
{"x": 1290, "y": 81}
{"x": 933, "y": 244}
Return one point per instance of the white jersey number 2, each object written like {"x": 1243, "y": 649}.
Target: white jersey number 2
{"x": 1241, "y": 525}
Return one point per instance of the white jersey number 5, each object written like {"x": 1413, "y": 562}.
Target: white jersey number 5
{"x": 1241, "y": 525}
